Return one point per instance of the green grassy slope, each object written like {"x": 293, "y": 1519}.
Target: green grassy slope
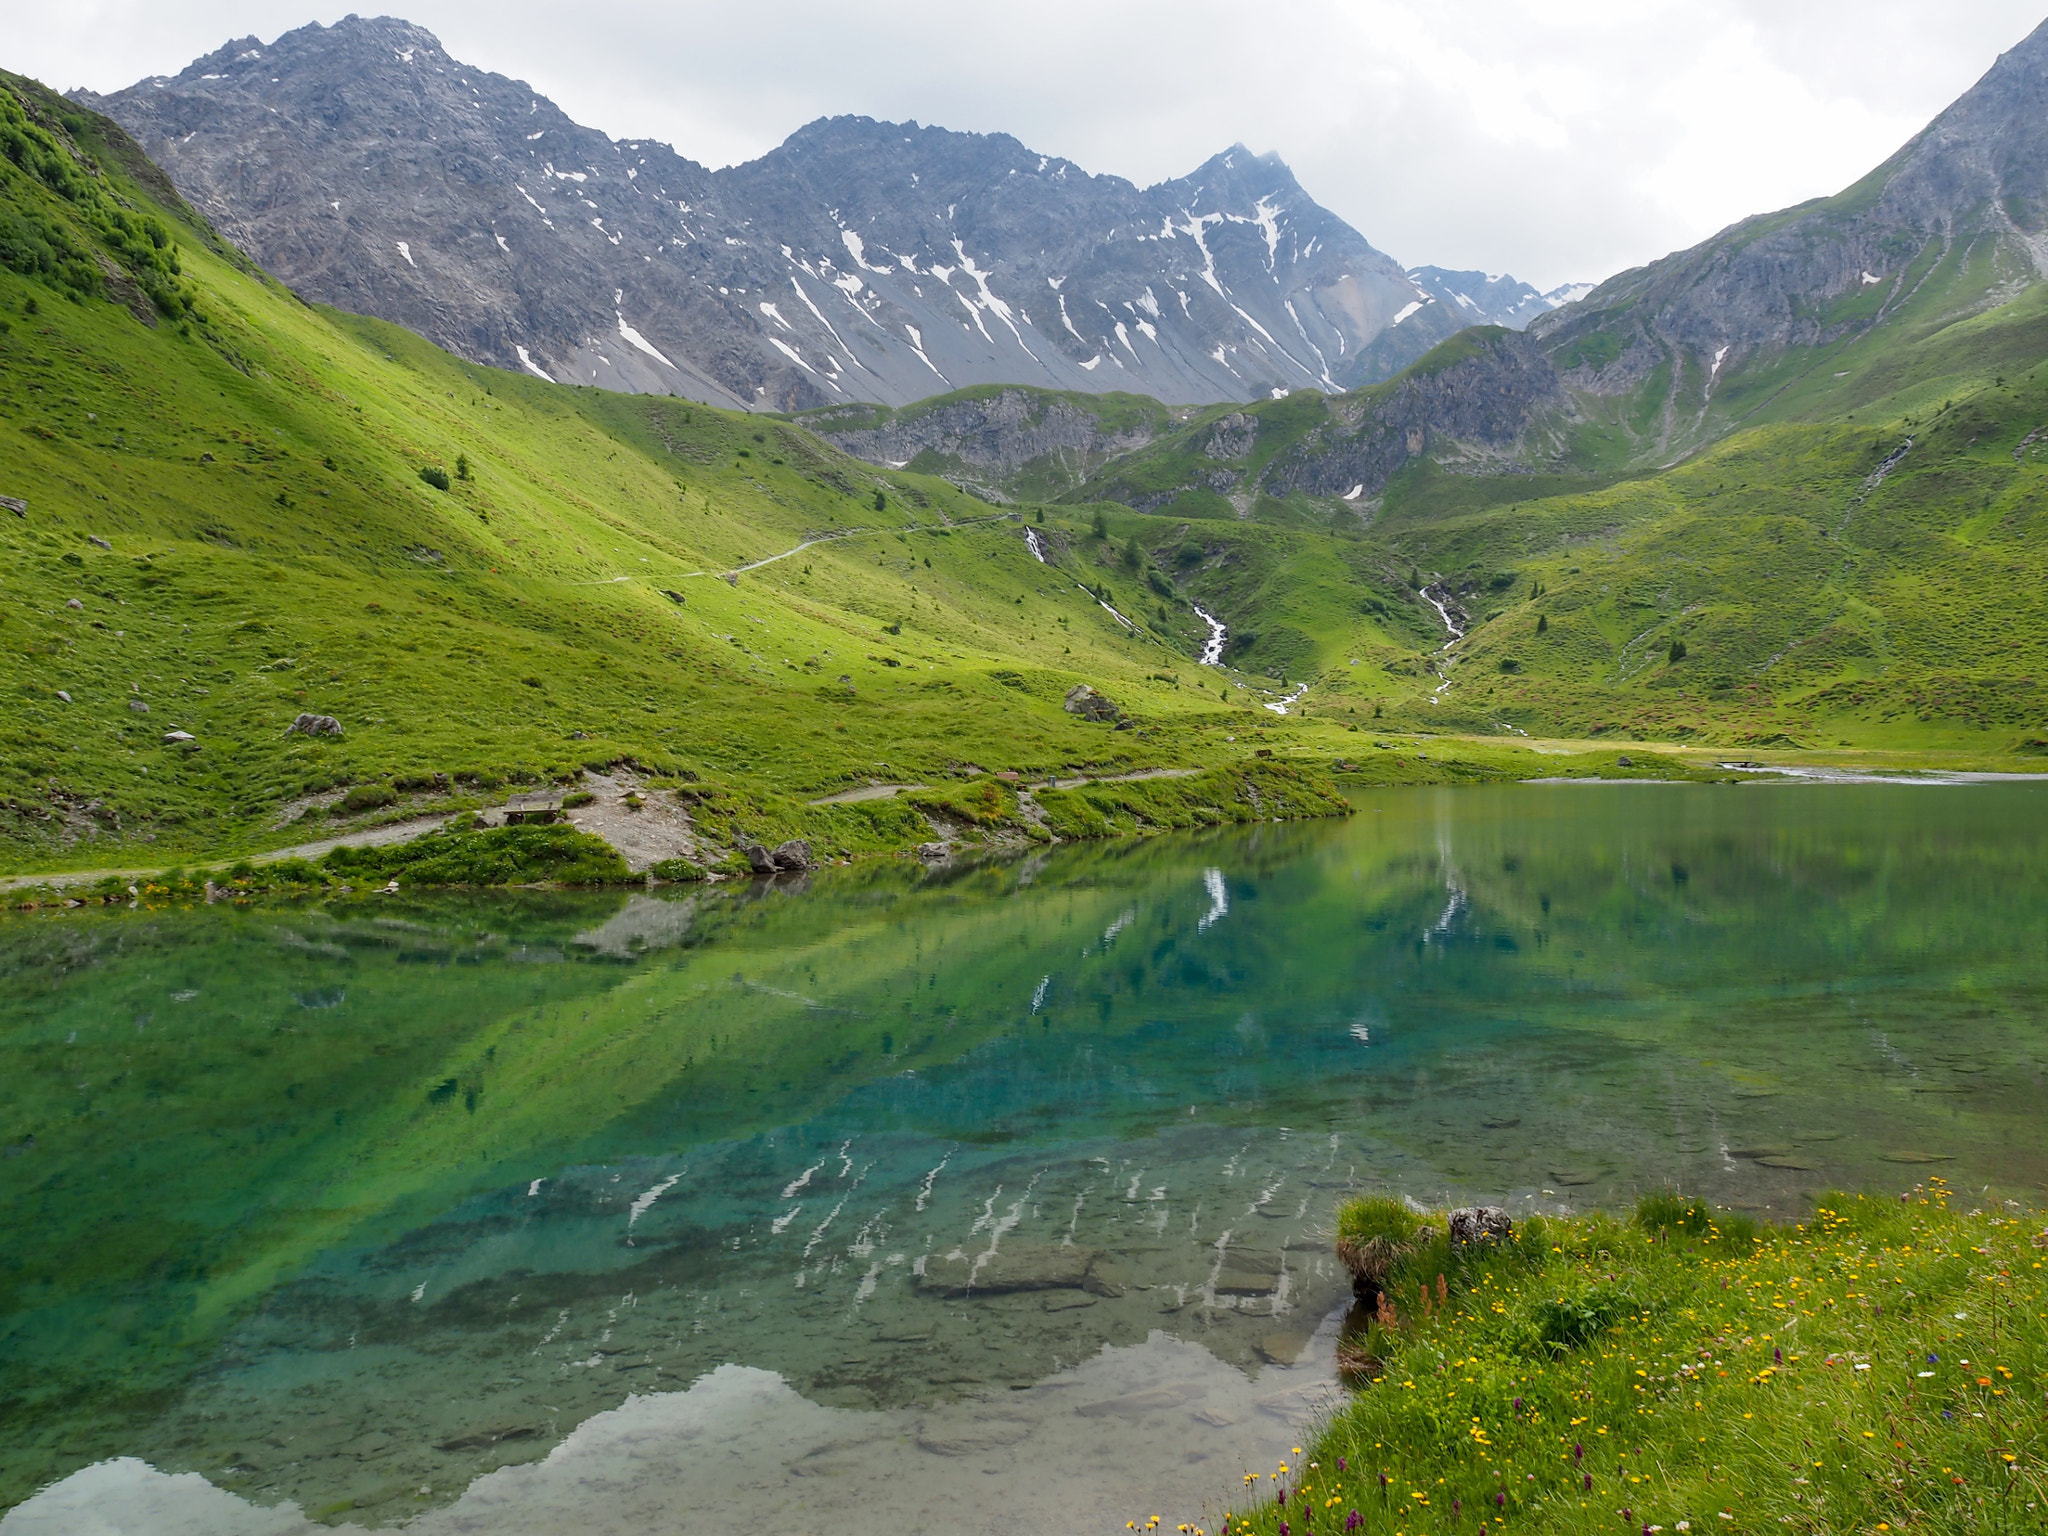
{"x": 227, "y": 526}
{"x": 1810, "y": 601}
{"x": 1815, "y": 604}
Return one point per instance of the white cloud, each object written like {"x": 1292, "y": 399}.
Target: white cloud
{"x": 1556, "y": 139}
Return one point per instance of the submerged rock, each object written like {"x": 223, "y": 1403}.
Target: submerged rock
{"x": 1028, "y": 1268}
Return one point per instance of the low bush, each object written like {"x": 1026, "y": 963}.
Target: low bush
{"x": 524, "y": 855}
{"x": 364, "y": 797}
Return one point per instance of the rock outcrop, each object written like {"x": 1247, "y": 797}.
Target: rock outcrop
{"x": 1084, "y": 701}
{"x": 992, "y": 440}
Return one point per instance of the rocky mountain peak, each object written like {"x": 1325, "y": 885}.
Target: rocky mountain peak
{"x": 860, "y": 260}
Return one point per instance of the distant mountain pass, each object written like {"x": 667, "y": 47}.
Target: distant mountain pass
{"x": 859, "y": 261}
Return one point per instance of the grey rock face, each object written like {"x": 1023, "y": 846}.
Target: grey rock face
{"x": 1974, "y": 181}
{"x": 1478, "y": 406}
{"x": 759, "y": 859}
{"x": 1232, "y": 438}
{"x": 983, "y": 439}
{"x": 792, "y": 857}
{"x": 1445, "y": 303}
{"x": 1483, "y": 298}
{"x": 1483, "y": 403}
{"x": 859, "y": 261}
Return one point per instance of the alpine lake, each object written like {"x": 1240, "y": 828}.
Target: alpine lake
{"x": 993, "y": 1198}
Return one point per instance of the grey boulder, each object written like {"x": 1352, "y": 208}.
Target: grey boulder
{"x": 1084, "y": 701}
{"x": 1475, "y": 1224}
{"x": 314, "y": 725}
{"x": 793, "y": 856}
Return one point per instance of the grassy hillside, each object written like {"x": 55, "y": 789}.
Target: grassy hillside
{"x": 1823, "y": 591}
{"x": 240, "y": 508}
{"x": 235, "y": 515}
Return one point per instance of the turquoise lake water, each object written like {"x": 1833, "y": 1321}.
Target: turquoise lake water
{"x": 986, "y": 1199}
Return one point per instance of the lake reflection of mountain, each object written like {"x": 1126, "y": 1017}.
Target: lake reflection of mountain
{"x": 334, "y": 1204}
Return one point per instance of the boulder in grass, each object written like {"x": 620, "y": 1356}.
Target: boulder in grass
{"x": 1473, "y": 1225}
{"x": 759, "y": 859}
{"x": 1084, "y": 701}
{"x": 178, "y": 738}
{"x": 314, "y": 725}
{"x": 793, "y": 857}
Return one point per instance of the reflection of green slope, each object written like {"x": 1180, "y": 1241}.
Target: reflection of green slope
{"x": 267, "y": 1136}
{"x": 1625, "y": 958}
{"x": 795, "y": 1003}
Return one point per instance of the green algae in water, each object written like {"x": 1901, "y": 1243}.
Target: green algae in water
{"x": 332, "y": 1203}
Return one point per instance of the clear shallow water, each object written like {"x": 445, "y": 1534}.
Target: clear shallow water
{"x": 904, "y": 1202}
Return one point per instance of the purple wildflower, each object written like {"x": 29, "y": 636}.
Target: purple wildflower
{"x": 1353, "y": 1521}
{"x": 1340, "y": 1463}
{"x": 1589, "y": 1482}
{"x": 1578, "y": 1452}
{"x": 1500, "y": 1501}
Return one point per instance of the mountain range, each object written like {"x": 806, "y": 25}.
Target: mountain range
{"x": 860, "y": 260}
{"x": 1788, "y": 487}
{"x": 1804, "y": 314}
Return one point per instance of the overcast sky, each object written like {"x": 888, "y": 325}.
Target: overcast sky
{"x": 1556, "y": 139}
